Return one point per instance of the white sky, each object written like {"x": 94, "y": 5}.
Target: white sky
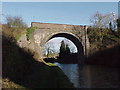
{"x": 56, "y": 42}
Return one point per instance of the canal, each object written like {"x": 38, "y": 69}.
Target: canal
{"x": 91, "y": 76}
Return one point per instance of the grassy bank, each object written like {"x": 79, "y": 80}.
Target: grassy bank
{"x": 21, "y": 70}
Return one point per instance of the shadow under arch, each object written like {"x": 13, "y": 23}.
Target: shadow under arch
{"x": 76, "y": 41}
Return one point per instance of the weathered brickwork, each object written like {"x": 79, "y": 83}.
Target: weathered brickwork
{"x": 46, "y": 31}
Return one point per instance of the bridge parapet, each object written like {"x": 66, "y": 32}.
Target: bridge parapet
{"x": 54, "y": 26}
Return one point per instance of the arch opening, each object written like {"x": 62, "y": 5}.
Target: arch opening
{"x": 78, "y": 56}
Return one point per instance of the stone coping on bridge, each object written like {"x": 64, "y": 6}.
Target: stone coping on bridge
{"x": 55, "y": 25}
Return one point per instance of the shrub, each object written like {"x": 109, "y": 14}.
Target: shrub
{"x": 29, "y": 31}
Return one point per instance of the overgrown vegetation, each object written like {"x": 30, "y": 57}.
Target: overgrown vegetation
{"x": 105, "y": 31}
{"x": 101, "y": 38}
{"x": 14, "y": 27}
{"x": 13, "y": 32}
{"x": 29, "y": 31}
{"x": 118, "y": 25}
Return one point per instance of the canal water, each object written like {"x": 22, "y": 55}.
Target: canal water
{"x": 91, "y": 76}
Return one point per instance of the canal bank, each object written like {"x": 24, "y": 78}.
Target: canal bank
{"x": 21, "y": 70}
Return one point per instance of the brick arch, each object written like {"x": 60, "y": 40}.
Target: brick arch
{"x": 45, "y": 31}
{"x": 75, "y": 40}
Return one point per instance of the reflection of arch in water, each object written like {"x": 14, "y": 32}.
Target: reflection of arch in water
{"x": 76, "y": 41}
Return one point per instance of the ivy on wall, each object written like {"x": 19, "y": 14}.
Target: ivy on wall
{"x": 29, "y": 31}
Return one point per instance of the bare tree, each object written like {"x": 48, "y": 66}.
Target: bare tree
{"x": 49, "y": 49}
{"x": 15, "y": 22}
{"x": 96, "y": 19}
{"x": 72, "y": 49}
{"x": 103, "y": 21}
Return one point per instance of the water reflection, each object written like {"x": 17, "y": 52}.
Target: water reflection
{"x": 91, "y": 76}
{"x": 71, "y": 70}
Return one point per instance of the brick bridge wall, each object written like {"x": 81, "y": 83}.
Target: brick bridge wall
{"x": 45, "y": 31}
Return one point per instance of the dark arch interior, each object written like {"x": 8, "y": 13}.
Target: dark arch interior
{"x": 76, "y": 41}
